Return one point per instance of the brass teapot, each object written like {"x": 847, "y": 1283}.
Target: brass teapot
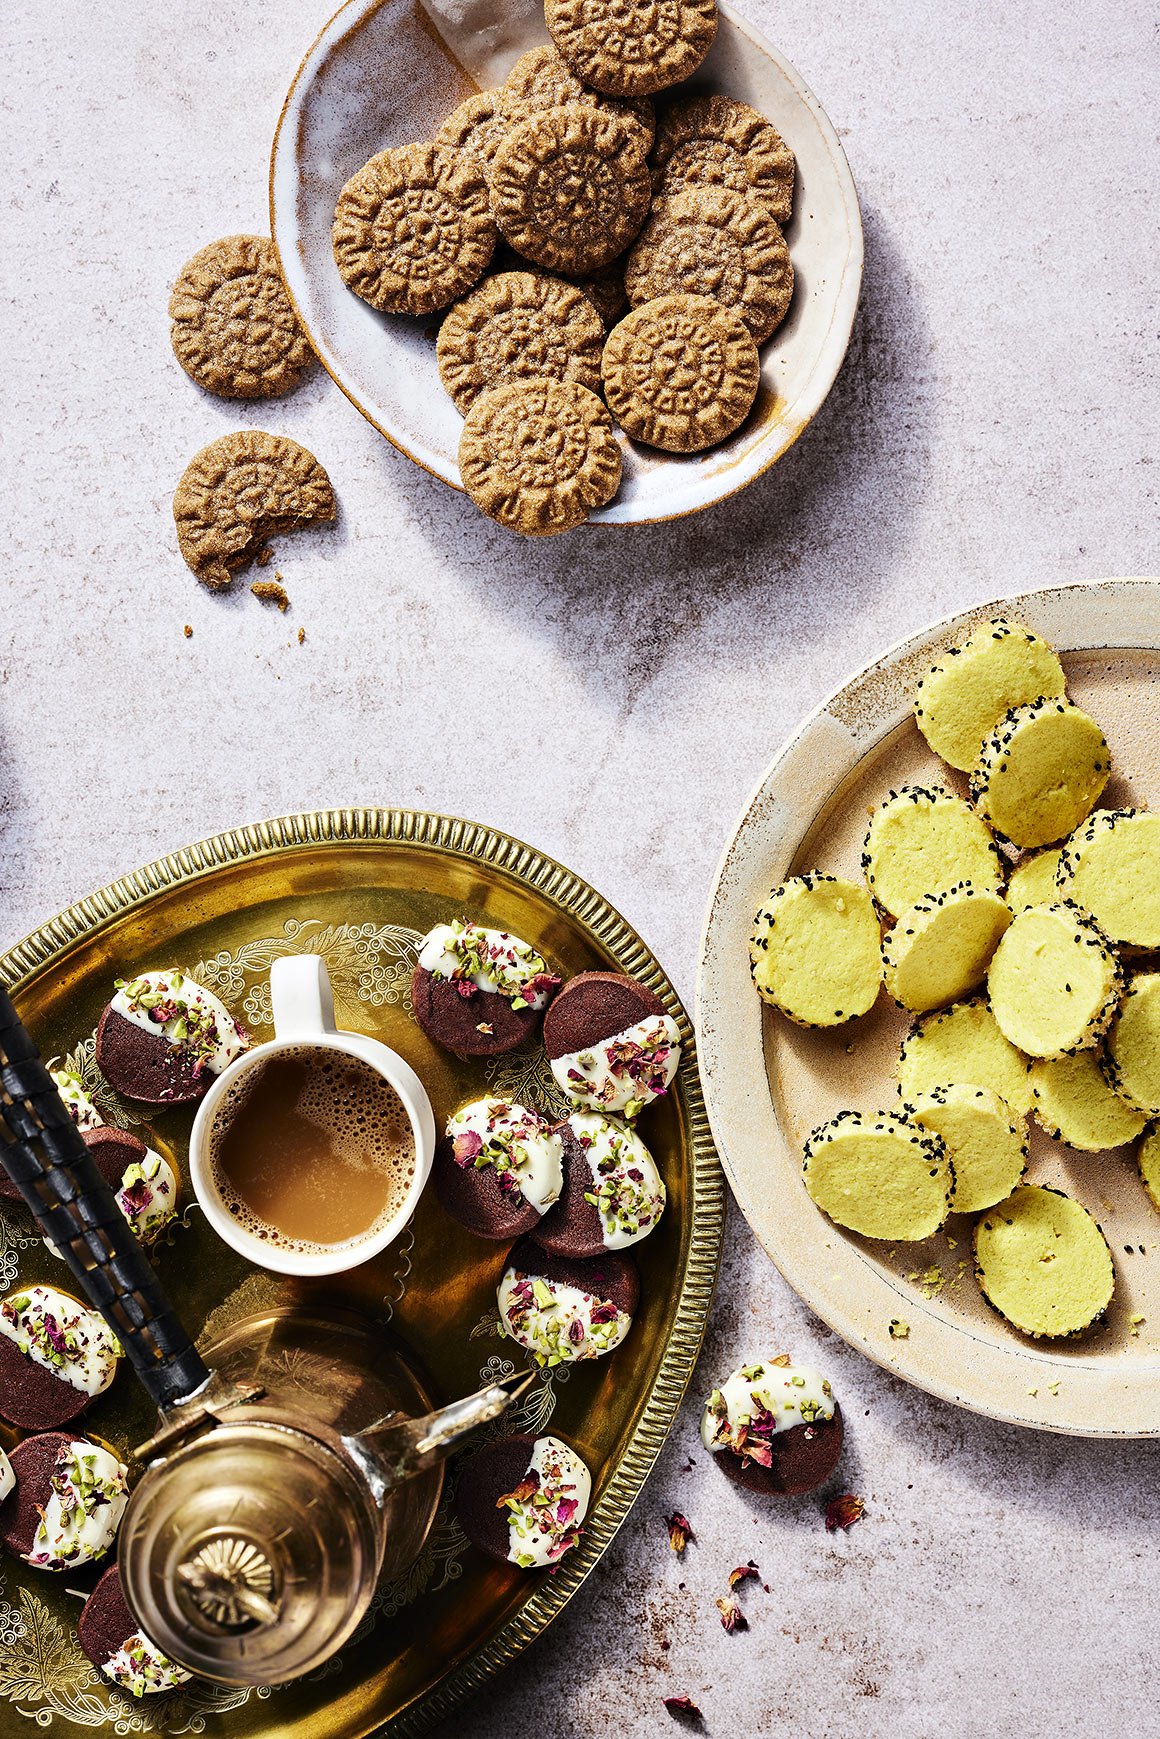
{"x": 294, "y": 1464}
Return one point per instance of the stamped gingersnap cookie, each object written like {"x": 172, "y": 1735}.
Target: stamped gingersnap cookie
{"x": 232, "y": 325}
{"x": 519, "y": 326}
{"x": 241, "y": 490}
{"x": 604, "y": 288}
{"x": 570, "y": 187}
{"x": 542, "y": 79}
{"x": 711, "y": 241}
{"x": 724, "y": 142}
{"x": 475, "y": 128}
{"x": 681, "y": 373}
{"x": 537, "y": 455}
{"x": 632, "y": 47}
{"x": 412, "y": 230}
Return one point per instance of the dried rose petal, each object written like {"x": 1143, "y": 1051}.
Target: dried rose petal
{"x": 732, "y": 1617}
{"x": 680, "y": 1532}
{"x": 528, "y": 1487}
{"x": 843, "y": 1512}
{"x": 465, "y": 1147}
{"x": 682, "y": 1706}
{"x": 743, "y": 1573}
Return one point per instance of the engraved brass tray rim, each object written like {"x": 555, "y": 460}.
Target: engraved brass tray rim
{"x": 285, "y": 834}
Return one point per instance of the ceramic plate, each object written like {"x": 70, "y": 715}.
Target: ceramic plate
{"x": 768, "y": 1083}
{"x": 382, "y": 74}
{"x": 360, "y": 887}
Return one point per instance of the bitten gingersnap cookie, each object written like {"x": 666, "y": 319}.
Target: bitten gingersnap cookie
{"x": 474, "y": 128}
{"x": 721, "y": 142}
{"x": 233, "y": 328}
{"x": 542, "y": 79}
{"x": 537, "y": 455}
{"x": 681, "y": 373}
{"x": 632, "y": 47}
{"x": 519, "y": 326}
{"x": 710, "y": 241}
{"x": 570, "y": 187}
{"x": 239, "y": 491}
{"x": 412, "y": 230}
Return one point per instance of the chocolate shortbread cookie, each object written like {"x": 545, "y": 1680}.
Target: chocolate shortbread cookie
{"x": 538, "y": 455}
{"x": 681, "y": 372}
{"x": 522, "y": 1499}
{"x": 56, "y": 1357}
{"x": 710, "y": 241}
{"x": 612, "y": 1196}
{"x": 632, "y": 47}
{"x": 413, "y": 229}
{"x": 67, "y": 1506}
{"x": 542, "y": 79}
{"x": 239, "y": 491}
{"x": 519, "y": 326}
{"x": 233, "y": 327}
{"x": 477, "y": 991}
{"x": 611, "y": 1043}
{"x": 774, "y": 1427}
{"x": 570, "y": 187}
{"x": 560, "y": 1310}
{"x": 498, "y": 1167}
{"x": 164, "y": 1038}
{"x": 721, "y": 142}
{"x": 117, "y": 1646}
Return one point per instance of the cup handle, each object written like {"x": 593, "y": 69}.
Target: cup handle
{"x": 302, "y": 998}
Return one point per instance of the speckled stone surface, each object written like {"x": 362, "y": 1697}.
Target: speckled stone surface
{"x": 994, "y": 429}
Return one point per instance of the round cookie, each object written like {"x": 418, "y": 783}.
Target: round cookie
{"x": 538, "y": 455}
{"x": 232, "y": 325}
{"x": 711, "y": 241}
{"x": 611, "y": 1044}
{"x": 498, "y": 1167}
{"x": 1042, "y": 1261}
{"x": 142, "y": 1181}
{"x": 474, "y": 129}
{"x": 239, "y": 491}
{"x": 1111, "y": 867}
{"x": 7, "y": 1477}
{"x": 570, "y": 187}
{"x": 958, "y": 701}
{"x": 1148, "y": 1159}
{"x": 986, "y": 1142}
{"x": 479, "y": 992}
{"x": 604, "y": 288}
{"x": 111, "y": 1638}
{"x": 542, "y": 79}
{"x": 413, "y": 228}
{"x": 164, "y": 1038}
{"x": 1131, "y": 1057}
{"x": 716, "y": 141}
{"x": 1074, "y": 1103}
{"x": 632, "y": 47}
{"x": 880, "y": 1175}
{"x": 522, "y": 1500}
{"x": 774, "y": 1427}
{"x": 56, "y": 1357}
{"x": 681, "y": 373}
{"x": 562, "y": 1311}
{"x": 1054, "y": 981}
{"x": 963, "y": 1046}
{"x": 922, "y": 840}
{"x": 1032, "y": 882}
{"x": 77, "y": 1101}
{"x": 815, "y": 952}
{"x": 613, "y": 1195}
{"x": 67, "y": 1506}
{"x": 519, "y": 326}
{"x": 1040, "y": 771}
{"x": 941, "y": 946}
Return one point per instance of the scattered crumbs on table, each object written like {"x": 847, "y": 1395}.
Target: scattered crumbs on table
{"x": 1053, "y": 1388}
{"x": 301, "y": 636}
{"x": 1033, "y": 1392}
{"x": 262, "y": 559}
{"x": 271, "y": 592}
{"x": 188, "y": 630}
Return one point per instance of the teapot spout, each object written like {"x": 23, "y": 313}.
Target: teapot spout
{"x": 395, "y": 1448}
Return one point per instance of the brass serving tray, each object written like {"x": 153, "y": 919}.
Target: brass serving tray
{"x": 360, "y": 886}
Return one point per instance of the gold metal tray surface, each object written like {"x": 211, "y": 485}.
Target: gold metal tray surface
{"x": 360, "y": 887}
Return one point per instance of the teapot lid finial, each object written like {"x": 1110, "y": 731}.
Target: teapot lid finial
{"x": 231, "y": 1581}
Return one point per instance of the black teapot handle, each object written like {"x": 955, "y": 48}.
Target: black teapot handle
{"x": 43, "y": 1154}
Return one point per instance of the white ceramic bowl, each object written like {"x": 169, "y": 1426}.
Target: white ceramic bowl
{"x": 380, "y": 74}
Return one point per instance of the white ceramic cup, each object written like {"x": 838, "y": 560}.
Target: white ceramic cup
{"x": 304, "y": 1016}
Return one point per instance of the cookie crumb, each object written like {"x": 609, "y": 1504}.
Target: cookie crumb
{"x": 188, "y": 631}
{"x": 271, "y": 592}
{"x": 264, "y": 556}
{"x": 301, "y": 636}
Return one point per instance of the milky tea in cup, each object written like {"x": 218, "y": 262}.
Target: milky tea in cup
{"x": 312, "y": 1148}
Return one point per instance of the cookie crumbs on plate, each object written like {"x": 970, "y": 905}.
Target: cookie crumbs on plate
{"x": 301, "y": 636}
{"x": 188, "y": 631}
{"x": 1134, "y": 1323}
{"x": 899, "y": 1330}
{"x": 271, "y": 592}
{"x": 1053, "y": 1388}
{"x": 1033, "y": 1392}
